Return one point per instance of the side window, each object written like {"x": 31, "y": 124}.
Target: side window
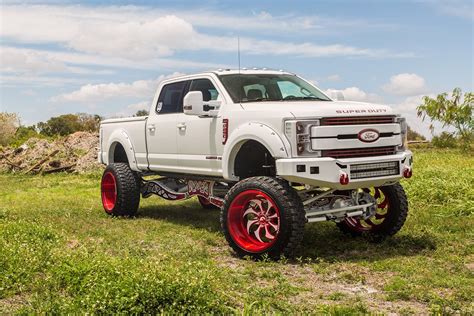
{"x": 209, "y": 92}
{"x": 171, "y": 98}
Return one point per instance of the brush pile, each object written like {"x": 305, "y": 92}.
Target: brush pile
{"x": 74, "y": 153}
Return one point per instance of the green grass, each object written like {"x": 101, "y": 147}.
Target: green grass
{"x": 60, "y": 253}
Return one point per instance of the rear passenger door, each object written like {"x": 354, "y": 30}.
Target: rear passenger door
{"x": 161, "y": 130}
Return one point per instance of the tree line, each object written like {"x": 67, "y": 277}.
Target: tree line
{"x": 13, "y": 133}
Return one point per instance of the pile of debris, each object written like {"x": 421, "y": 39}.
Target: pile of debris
{"x": 74, "y": 153}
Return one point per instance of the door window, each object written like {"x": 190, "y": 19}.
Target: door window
{"x": 171, "y": 98}
{"x": 209, "y": 91}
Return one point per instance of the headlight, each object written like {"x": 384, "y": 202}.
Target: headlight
{"x": 299, "y": 135}
{"x": 403, "y": 133}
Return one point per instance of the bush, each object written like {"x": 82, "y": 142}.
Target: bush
{"x": 69, "y": 123}
{"x": 9, "y": 123}
{"x": 23, "y": 133}
{"x": 444, "y": 140}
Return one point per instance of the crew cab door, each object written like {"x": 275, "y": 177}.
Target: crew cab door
{"x": 161, "y": 129}
{"x": 200, "y": 137}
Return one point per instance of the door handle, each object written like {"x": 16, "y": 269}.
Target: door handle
{"x": 181, "y": 126}
{"x": 151, "y": 127}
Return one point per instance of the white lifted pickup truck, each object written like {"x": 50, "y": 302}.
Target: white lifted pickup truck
{"x": 269, "y": 149}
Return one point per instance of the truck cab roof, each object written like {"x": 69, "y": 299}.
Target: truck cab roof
{"x": 228, "y": 71}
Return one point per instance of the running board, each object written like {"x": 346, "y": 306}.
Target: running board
{"x": 186, "y": 191}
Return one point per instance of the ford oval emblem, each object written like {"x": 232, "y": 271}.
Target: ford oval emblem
{"x": 368, "y": 135}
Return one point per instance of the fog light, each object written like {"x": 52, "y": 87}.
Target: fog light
{"x": 407, "y": 173}
{"x": 343, "y": 178}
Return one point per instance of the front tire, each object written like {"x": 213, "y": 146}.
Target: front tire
{"x": 391, "y": 213}
{"x": 263, "y": 216}
{"x": 120, "y": 190}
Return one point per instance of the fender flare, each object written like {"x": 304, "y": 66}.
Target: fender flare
{"x": 258, "y": 132}
{"x": 121, "y": 137}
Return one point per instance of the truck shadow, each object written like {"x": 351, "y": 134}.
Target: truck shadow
{"x": 321, "y": 241}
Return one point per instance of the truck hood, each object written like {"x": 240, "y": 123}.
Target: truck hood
{"x": 321, "y": 108}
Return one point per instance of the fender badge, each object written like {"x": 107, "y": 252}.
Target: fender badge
{"x": 368, "y": 135}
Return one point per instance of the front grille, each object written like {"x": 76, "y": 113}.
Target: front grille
{"x": 358, "y": 120}
{"x": 359, "y": 152}
{"x": 374, "y": 170}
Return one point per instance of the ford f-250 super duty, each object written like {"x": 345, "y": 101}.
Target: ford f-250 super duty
{"x": 269, "y": 149}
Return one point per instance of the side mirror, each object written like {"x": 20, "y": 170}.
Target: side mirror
{"x": 193, "y": 103}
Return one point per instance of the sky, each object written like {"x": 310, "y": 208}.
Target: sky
{"x": 107, "y": 57}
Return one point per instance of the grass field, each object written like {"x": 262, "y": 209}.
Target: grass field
{"x": 60, "y": 253}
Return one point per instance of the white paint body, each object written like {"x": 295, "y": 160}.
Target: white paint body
{"x": 187, "y": 144}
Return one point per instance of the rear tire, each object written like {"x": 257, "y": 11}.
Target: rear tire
{"x": 263, "y": 216}
{"x": 120, "y": 190}
{"x": 392, "y": 211}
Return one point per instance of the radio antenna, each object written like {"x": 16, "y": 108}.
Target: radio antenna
{"x": 238, "y": 51}
{"x": 240, "y": 77}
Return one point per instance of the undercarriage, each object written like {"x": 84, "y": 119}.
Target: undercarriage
{"x": 319, "y": 204}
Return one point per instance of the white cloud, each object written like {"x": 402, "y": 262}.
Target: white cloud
{"x": 130, "y": 110}
{"x": 356, "y": 94}
{"x": 31, "y": 61}
{"x": 134, "y": 33}
{"x": 457, "y": 8}
{"x": 333, "y": 78}
{"x": 103, "y": 91}
{"x": 143, "y": 105}
{"x": 406, "y": 84}
{"x": 407, "y": 108}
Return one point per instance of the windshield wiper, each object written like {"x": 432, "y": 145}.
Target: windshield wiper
{"x": 308, "y": 98}
{"x": 260, "y": 99}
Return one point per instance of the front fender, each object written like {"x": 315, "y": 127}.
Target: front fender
{"x": 121, "y": 137}
{"x": 259, "y": 132}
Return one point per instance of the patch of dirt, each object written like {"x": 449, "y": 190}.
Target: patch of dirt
{"x": 74, "y": 153}
{"x": 319, "y": 288}
{"x": 9, "y": 305}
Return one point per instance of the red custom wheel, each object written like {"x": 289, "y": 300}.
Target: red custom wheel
{"x": 263, "y": 216}
{"x": 389, "y": 217}
{"x": 254, "y": 220}
{"x": 120, "y": 190}
{"x": 109, "y": 191}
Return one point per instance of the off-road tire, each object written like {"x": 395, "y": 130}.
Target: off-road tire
{"x": 292, "y": 216}
{"x": 396, "y": 216}
{"x": 127, "y": 187}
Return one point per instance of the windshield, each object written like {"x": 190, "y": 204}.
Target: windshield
{"x": 270, "y": 87}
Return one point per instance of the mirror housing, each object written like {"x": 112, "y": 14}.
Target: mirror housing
{"x": 193, "y": 104}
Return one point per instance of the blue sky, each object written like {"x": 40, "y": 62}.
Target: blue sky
{"x": 107, "y": 57}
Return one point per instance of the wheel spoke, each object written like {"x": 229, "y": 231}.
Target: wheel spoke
{"x": 377, "y": 193}
{"x": 257, "y": 233}
{"x": 268, "y": 235}
{"x": 250, "y": 210}
{"x": 275, "y": 226}
{"x": 250, "y": 223}
{"x": 383, "y": 204}
{"x": 258, "y": 203}
{"x": 269, "y": 207}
